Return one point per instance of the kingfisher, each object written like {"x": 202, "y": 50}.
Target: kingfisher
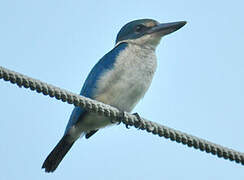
{"x": 120, "y": 78}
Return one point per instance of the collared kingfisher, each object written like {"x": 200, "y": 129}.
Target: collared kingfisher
{"x": 120, "y": 78}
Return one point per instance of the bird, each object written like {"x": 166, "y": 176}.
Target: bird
{"x": 120, "y": 78}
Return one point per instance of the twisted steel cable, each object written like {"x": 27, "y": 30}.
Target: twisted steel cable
{"x": 128, "y": 119}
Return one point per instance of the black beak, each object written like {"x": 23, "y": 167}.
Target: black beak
{"x": 166, "y": 28}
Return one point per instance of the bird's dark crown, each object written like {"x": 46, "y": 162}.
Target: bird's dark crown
{"x": 135, "y": 29}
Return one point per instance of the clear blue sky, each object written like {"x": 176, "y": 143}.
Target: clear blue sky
{"x": 198, "y": 88}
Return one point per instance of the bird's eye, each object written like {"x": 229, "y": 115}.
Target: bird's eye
{"x": 140, "y": 28}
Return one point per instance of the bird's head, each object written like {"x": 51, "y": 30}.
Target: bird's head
{"x": 146, "y": 32}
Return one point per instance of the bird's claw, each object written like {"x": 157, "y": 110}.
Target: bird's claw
{"x": 122, "y": 116}
{"x": 139, "y": 120}
{"x": 112, "y": 121}
{"x": 119, "y": 118}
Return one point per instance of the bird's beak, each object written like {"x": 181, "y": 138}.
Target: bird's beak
{"x": 166, "y": 28}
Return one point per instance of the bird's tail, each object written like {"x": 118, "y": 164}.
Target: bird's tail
{"x": 55, "y": 157}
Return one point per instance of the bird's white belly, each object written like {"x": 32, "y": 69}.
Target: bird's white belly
{"x": 123, "y": 95}
{"x": 125, "y": 84}
{"x": 122, "y": 86}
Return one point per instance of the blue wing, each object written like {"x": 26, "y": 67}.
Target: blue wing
{"x": 104, "y": 64}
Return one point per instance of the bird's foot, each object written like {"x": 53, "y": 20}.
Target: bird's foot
{"x": 119, "y": 118}
{"x": 139, "y": 120}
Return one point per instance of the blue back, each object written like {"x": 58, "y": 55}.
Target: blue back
{"x": 104, "y": 64}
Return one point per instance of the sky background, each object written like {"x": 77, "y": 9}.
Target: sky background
{"x": 198, "y": 88}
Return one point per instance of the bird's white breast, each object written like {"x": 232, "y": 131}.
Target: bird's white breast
{"x": 123, "y": 85}
{"x": 126, "y": 83}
